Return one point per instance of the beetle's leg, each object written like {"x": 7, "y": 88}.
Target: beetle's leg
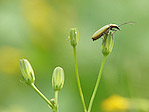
{"x": 114, "y": 30}
{"x": 112, "y": 34}
{"x": 105, "y": 37}
{"x": 107, "y": 32}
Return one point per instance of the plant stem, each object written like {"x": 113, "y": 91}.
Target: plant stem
{"x": 43, "y": 97}
{"x": 56, "y": 100}
{"x": 78, "y": 81}
{"x": 97, "y": 84}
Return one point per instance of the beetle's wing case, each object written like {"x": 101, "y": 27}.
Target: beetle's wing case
{"x": 100, "y": 32}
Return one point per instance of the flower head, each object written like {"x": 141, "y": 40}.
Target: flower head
{"x": 58, "y": 78}
{"x": 27, "y": 71}
{"x": 107, "y": 44}
{"x": 115, "y": 103}
{"x": 74, "y": 36}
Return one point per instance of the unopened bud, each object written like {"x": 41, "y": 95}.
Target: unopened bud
{"x": 53, "y": 105}
{"x": 58, "y": 78}
{"x": 107, "y": 44}
{"x": 74, "y": 36}
{"x": 27, "y": 71}
{"x": 53, "y": 102}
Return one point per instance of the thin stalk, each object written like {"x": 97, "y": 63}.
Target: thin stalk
{"x": 78, "y": 81}
{"x": 97, "y": 84}
{"x": 56, "y": 101}
{"x": 43, "y": 97}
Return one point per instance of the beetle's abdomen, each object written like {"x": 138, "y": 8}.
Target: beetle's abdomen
{"x": 99, "y": 33}
{"x": 97, "y": 37}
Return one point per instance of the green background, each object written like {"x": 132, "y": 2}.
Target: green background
{"x": 38, "y": 29}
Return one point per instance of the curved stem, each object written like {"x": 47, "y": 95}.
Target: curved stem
{"x": 97, "y": 84}
{"x": 78, "y": 81}
{"x": 43, "y": 97}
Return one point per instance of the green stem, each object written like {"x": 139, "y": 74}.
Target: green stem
{"x": 43, "y": 97}
{"x": 56, "y": 100}
{"x": 97, "y": 84}
{"x": 78, "y": 81}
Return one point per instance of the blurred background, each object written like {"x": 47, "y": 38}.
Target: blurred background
{"x": 38, "y": 29}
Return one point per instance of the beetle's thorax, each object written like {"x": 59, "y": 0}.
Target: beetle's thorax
{"x": 114, "y": 26}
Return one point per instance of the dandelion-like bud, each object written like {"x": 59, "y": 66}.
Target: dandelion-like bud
{"x": 58, "y": 78}
{"x": 107, "y": 44}
{"x": 74, "y": 36}
{"x": 27, "y": 71}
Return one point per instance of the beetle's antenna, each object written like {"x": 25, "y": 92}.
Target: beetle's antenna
{"x": 130, "y": 22}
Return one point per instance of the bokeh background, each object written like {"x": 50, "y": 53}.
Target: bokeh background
{"x": 38, "y": 29}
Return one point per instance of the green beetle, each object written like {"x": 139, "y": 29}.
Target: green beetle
{"x": 105, "y": 29}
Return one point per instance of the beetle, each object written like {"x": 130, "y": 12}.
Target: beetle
{"x": 105, "y": 29}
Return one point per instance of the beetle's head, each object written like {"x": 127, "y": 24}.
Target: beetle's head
{"x": 114, "y": 27}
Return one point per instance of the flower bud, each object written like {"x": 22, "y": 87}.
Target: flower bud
{"x": 74, "y": 36}
{"x": 53, "y": 105}
{"x": 53, "y": 102}
{"x": 58, "y": 78}
{"x": 27, "y": 71}
{"x": 107, "y": 44}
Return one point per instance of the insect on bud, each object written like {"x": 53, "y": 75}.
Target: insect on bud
{"x": 58, "y": 78}
{"x": 107, "y": 44}
{"x": 74, "y": 36}
{"x": 27, "y": 71}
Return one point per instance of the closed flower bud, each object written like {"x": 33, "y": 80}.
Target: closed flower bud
{"x": 74, "y": 36}
{"x": 58, "y": 78}
{"x": 27, "y": 71}
{"x": 53, "y": 102}
{"x": 107, "y": 44}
